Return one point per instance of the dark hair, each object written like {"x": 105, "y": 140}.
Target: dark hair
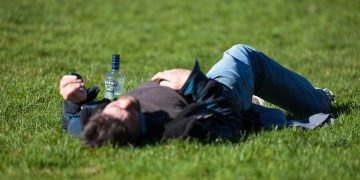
{"x": 101, "y": 130}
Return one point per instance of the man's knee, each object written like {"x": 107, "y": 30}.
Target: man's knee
{"x": 242, "y": 47}
{"x": 240, "y": 51}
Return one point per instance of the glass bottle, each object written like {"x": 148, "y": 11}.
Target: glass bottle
{"x": 114, "y": 80}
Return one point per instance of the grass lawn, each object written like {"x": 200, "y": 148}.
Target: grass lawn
{"x": 41, "y": 40}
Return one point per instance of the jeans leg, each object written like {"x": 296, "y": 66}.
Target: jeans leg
{"x": 269, "y": 117}
{"x": 285, "y": 88}
{"x": 249, "y": 71}
{"x": 234, "y": 70}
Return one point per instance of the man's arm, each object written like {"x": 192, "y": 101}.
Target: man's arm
{"x": 196, "y": 86}
{"x": 72, "y": 89}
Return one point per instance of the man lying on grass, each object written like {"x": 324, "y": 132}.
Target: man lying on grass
{"x": 181, "y": 103}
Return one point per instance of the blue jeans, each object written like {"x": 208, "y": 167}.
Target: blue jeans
{"x": 249, "y": 72}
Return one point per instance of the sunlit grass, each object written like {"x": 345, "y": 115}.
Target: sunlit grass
{"x": 41, "y": 40}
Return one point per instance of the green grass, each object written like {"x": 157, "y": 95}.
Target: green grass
{"x": 40, "y": 40}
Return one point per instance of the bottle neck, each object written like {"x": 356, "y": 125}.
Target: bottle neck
{"x": 115, "y": 65}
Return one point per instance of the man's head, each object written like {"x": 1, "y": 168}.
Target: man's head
{"x": 118, "y": 123}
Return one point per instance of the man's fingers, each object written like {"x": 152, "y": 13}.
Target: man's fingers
{"x": 66, "y": 91}
{"x": 158, "y": 76}
{"x": 155, "y": 77}
{"x": 167, "y": 84}
{"x": 71, "y": 84}
{"x": 164, "y": 75}
{"x": 68, "y": 79}
{"x": 69, "y": 92}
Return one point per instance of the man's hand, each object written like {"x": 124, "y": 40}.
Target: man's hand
{"x": 72, "y": 89}
{"x": 174, "y": 78}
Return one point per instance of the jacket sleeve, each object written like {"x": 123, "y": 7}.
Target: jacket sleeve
{"x": 71, "y": 112}
{"x": 214, "y": 95}
{"x": 71, "y": 117}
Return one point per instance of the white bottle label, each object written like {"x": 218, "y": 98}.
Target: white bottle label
{"x": 112, "y": 89}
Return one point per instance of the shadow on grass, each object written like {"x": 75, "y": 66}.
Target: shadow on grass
{"x": 243, "y": 137}
{"x": 344, "y": 109}
{"x": 337, "y": 110}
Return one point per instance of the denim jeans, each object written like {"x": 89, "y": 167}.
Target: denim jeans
{"x": 249, "y": 72}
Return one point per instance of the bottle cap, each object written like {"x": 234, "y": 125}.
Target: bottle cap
{"x": 115, "y": 61}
